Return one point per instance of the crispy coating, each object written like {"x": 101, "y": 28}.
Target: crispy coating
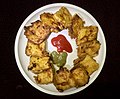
{"x": 62, "y": 75}
{"x": 37, "y": 32}
{"x": 48, "y": 19}
{"x": 76, "y": 25}
{"x": 91, "y": 48}
{"x": 35, "y": 49}
{"x": 77, "y": 60}
{"x": 89, "y": 64}
{"x": 63, "y": 16}
{"x": 87, "y": 33}
{"x": 63, "y": 79}
{"x": 44, "y": 77}
{"x": 38, "y": 64}
{"x": 80, "y": 76}
{"x": 93, "y": 31}
{"x": 67, "y": 85}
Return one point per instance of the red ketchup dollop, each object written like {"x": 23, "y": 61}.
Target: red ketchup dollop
{"x": 61, "y": 43}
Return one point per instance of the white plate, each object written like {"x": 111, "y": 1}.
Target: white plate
{"x": 21, "y": 41}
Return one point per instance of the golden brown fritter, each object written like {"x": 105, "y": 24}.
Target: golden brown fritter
{"x": 66, "y": 85}
{"x": 37, "y": 32}
{"x": 93, "y": 31}
{"x": 35, "y": 49}
{"x": 39, "y": 64}
{"x": 62, "y": 75}
{"x": 89, "y": 64}
{"x": 91, "y": 48}
{"x": 87, "y": 33}
{"x": 44, "y": 77}
{"x": 76, "y": 25}
{"x": 63, "y": 16}
{"x": 80, "y": 76}
{"x": 48, "y": 19}
{"x": 63, "y": 79}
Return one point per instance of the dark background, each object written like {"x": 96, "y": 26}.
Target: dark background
{"x": 12, "y": 14}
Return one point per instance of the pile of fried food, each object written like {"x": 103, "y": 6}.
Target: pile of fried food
{"x": 40, "y": 61}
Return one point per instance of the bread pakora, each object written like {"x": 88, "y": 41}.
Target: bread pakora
{"x": 48, "y": 19}
{"x": 87, "y": 33}
{"x": 76, "y": 25}
{"x": 91, "y": 48}
{"x": 35, "y": 49}
{"x": 37, "y": 32}
{"x": 63, "y": 79}
{"x": 64, "y": 17}
{"x": 44, "y": 77}
{"x": 89, "y": 64}
{"x": 80, "y": 76}
{"x": 39, "y": 64}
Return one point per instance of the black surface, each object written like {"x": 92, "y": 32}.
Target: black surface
{"x": 12, "y": 83}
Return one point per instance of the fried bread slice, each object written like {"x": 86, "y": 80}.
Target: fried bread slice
{"x": 64, "y": 17}
{"x": 89, "y": 64}
{"x": 87, "y": 33}
{"x": 35, "y": 49}
{"x": 39, "y": 64}
{"x": 80, "y": 76}
{"x": 44, "y": 77}
{"x": 37, "y": 32}
{"x": 63, "y": 80}
{"x": 48, "y": 19}
{"x": 88, "y": 48}
{"x": 76, "y": 25}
